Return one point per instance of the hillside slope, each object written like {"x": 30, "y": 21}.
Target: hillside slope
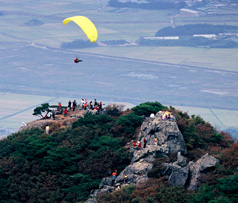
{"x": 65, "y": 165}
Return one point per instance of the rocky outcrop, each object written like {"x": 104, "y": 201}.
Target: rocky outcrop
{"x": 188, "y": 174}
{"x": 169, "y": 137}
{"x": 36, "y": 124}
{"x": 169, "y": 140}
{"x": 178, "y": 171}
{"x": 60, "y": 121}
{"x": 197, "y": 168}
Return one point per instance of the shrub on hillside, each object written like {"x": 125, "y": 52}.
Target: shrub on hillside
{"x": 67, "y": 164}
{"x": 130, "y": 122}
{"x": 114, "y": 109}
{"x": 224, "y": 191}
{"x": 145, "y": 109}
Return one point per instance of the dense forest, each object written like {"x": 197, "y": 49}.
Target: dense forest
{"x": 150, "y": 4}
{"x": 66, "y": 165}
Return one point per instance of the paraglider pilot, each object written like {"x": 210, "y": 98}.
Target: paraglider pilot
{"x": 76, "y": 60}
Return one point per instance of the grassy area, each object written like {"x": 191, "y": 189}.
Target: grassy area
{"x": 220, "y": 59}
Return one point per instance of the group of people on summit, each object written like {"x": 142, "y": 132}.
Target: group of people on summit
{"x": 84, "y": 104}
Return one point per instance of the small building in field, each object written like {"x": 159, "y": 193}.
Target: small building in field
{"x": 208, "y": 36}
{"x": 165, "y": 37}
{"x": 189, "y": 12}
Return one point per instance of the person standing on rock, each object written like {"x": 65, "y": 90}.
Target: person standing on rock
{"x": 114, "y": 176}
{"x": 90, "y": 105}
{"x": 85, "y": 106}
{"x": 69, "y": 104}
{"x": 74, "y": 105}
{"x": 145, "y": 141}
{"x": 155, "y": 140}
{"x": 125, "y": 179}
{"x": 82, "y": 103}
{"x": 134, "y": 144}
{"x": 95, "y": 103}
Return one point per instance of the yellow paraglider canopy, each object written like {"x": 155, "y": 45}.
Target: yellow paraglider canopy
{"x": 86, "y": 25}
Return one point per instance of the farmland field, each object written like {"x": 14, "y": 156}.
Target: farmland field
{"x": 35, "y": 69}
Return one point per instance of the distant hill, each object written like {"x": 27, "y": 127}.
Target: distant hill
{"x": 194, "y": 35}
{"x": 78, "y": 44}
{"x": 193, "y": 29}
{"x": 34, "y": 22}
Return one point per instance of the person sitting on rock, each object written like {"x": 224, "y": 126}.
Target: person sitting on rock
{"x": 65, "y": 112}
{"x": 171, "y": 117}
{"x": 139, "y": 144}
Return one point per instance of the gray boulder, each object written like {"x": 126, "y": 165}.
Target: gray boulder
{"x": 169, "y": 140}
{"x": 197, "y": 168}
{"x": 169, "y": 137}
{"x": 178, "y": 171}
{"x": 179, "y": 175}
{"x": 181, "y": 160}
{"x": 106, "y": 181}
{"x": 136, "y": 172}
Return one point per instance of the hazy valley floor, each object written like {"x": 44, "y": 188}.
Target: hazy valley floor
{"x": 50, "y": 74}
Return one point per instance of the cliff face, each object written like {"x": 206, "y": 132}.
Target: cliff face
{"x": 169, "y": 140}
{"x": 163, "y": 136}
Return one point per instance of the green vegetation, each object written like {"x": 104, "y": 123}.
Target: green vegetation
{"x": 67, "y": 164}
{"x": 145, "y": 109}
{"x": 44, "y": 108}
{"x": 216, "y": 185}
{"x": 158, "y": 191}
{"x": 200, "y": 136}
{"x": 224, "y": 191}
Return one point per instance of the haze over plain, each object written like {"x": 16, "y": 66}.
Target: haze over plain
{"x": 33, "y": 62}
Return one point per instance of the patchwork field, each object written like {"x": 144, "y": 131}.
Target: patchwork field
{"x": 201, "y": 81}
